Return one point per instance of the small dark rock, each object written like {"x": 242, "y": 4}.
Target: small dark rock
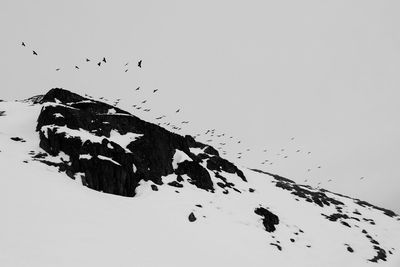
{"x": 192, "y": 218}
{"x": 175, "y": 184}
{"x": 154, "y": 187}
{"x": 350, "y": 249}
{"x": 276, "y": 245}
{"x": 18, "y": 139}
{"x": 179, "y": 178}
{"x": 345, "y": 223}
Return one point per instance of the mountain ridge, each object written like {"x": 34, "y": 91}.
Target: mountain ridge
{"x": 247, "y": 217}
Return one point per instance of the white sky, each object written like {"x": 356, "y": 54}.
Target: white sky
{"x": 324, "y": 72}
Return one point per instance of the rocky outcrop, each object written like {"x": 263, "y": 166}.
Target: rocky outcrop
{"x": 113, "y": 150}
{"x": 269, "y": 219}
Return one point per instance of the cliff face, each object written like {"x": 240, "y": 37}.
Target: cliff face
{"x": 112, "y": 150}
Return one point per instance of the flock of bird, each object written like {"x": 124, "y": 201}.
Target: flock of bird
{"x": 220, "y": 140}
{"x": 99, "y": 63}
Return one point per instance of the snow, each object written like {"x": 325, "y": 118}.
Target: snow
{"x": 58, "y": 115}
{"x": 111, "y": 111}
{"x": 179, "y": 157}
{"x": 49, "y": 219}
{"x": 134, "y": 168}
{"x": 196, "y": 150}
{"x": 122, "y": 139}
{"x": 85, "y": 156}
{"x": 108, "y": 159}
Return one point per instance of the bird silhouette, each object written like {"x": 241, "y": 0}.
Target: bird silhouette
{"x": 104, "y": 60}
{"x": 76, "y": 67}
{"x": 34, "y": 52}
{"x": 137, "y": 89}
{"x": 87, "y": 60}
{"x": 126, "y": 70}
{"x": 126, "y": 64}
{"x": 144, "y": 101}
{"x": 155, "y": 90}
{"x": 298, "y": 150}
{"x": 23, "y": 44}
{"x": 362, "y": 178}
{"x": 178, "y": 110}
{"x": 57, "y": 69}
{"x": 99, "y": 64}
{"x": 140, "y": 63}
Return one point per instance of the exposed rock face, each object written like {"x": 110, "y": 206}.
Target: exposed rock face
{"x": 269, "y": 219}
{"x": 114, "y": 149}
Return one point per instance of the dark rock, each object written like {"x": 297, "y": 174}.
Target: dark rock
{"x": 18, "y": 139}
{"x": 198, "y": 175}
{"x": 179, "y": 178}
{"x": 219, "y": 164}
{"x": 380, "y": 254}
{"x": 269, "y": 219}
{"x": 151, "y": 154}
{"x": 345, "y": 223}
{"x": 175, "y": 184}
{"x": 192, "y": 218}
{"x": 154, "y": 187}
{"x": 212, "y": 151}
{"x": 222, "y": 185}
{"x": 276, "y": 245}
{"x": 350, "y": 249}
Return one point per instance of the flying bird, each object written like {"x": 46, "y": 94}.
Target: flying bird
{"x": 178, "y": 110}
{"x": 137, "y": 89}
{"x": 87, "y": 60}
{"x": 140, "y": 63}
{"x": 57, "y": 69}
{"x": 104, "y": 60}
{"x": 23, "y": 44}
{"x": 34, "y": 52}
{"x": 76, "y": 67}
{"x": 126, "y": 70}
{"x": 126, "y": 64}
{"x": 144, "y": 101}
{"x": 155, "y": 90}
{"x": 98, "y": 64}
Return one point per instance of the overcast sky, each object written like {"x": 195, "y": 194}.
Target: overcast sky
{"x": 324, "y": 72}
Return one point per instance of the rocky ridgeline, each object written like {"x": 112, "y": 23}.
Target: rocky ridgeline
{"x": 113, "y": 150}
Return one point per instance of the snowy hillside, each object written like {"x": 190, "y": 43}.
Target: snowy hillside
{"x": 186, "y": 205}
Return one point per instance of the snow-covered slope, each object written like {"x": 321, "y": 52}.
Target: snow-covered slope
{"x": 49, "y": 219}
